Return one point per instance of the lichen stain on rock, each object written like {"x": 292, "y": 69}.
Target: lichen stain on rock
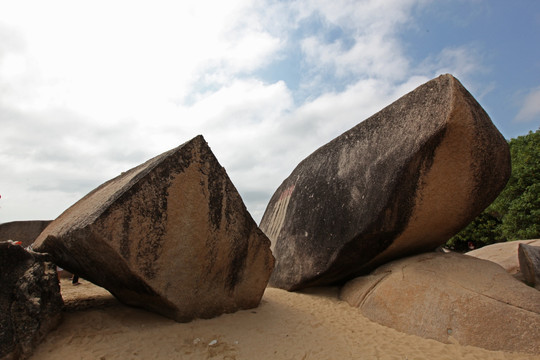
{"x": 216, "y": 194}
{"x": 238, "y": 255}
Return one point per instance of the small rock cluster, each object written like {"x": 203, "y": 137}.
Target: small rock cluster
{"x": 30, "y": 300}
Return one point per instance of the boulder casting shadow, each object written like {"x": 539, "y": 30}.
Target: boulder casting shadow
{"x": 172, "y": 236}
{"x": 401, "y": 182}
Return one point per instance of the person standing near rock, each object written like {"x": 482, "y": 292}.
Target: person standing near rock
{"x": 75, "y": 280}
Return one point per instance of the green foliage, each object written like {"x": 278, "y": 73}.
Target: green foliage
{"x": 522, "y": 220}
{"x": 483, "y": 230}
{"x": 515, "y": 214}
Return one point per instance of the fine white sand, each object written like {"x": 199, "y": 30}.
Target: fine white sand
{"x": 312, "y": 324}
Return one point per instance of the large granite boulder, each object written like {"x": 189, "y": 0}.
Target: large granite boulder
{"x": 25, "y": 231}
{"x": 529, "y": 264}
{"x": 401, "y": 182}
{"x": 171, "y": 235}
{"x": 30, "y": 300}
{"x": 450, "y": 297}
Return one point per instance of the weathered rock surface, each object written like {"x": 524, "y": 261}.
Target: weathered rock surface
{"x": 505, "y": 254}
{"x": 30, "y": 300}
{"x": 445, "y": 296}
{"x": 23, "y": 231}
{"x": 529, "y": 264}
{"x": 401, "y": 182}
{"x": 171, "y": 235}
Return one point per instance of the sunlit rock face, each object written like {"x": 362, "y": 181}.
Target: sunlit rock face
{"x": 401, "y": 182}
{"x": 171, "y": 235}
{"x": 451, "y": 297}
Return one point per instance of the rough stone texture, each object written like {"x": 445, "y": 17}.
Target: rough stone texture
{"x": 451, "y": 296}
{"x": 171, "y": 235}
{"x": 30, "y": 300}
{"x": 505, "y": 254}
{"x": 23, "y": 231}
{"x": 401, "y": 182}
{"x": 529, "y": 264}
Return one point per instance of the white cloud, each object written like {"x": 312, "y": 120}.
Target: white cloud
{"x": 370, "y": 48}
{"x": 130, "y": 55}
{"x": 530, "y": 110}
{"x": 370, "y": 56}
{"x": 460, "y": 61}
{"x": 368, "y": 16}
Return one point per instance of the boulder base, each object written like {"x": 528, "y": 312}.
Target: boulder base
{"x": 171, "y": 235}
{"x": 401, "y": 182}
{"x": 30, "y": 300}
{"x": 451, "y": 296}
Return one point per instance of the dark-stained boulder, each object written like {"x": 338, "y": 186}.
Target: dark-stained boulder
{"x": 450, "y": 297}
{"x": 24, "y": 231}
{"x": 529, "y": 264}
{"x": 401, "y": 182}
{"x": 30, "y": 300}
{"x": 171, "y": 235}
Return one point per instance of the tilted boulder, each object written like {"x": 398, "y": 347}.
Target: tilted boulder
{"x": 451, "y": 296}
{"x": 171, "y": 235}
{"x": 25, "y": 231}
{"x": 529, "y": 264}
{"x": 401, "y": 182}
{"x": 30, "y": 300}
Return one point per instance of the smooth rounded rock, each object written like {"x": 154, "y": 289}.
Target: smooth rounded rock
{"x": 451, "y": 297}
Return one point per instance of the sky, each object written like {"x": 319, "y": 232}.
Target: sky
{"x": 89, "y": 89}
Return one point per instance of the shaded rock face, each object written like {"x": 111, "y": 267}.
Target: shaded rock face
{"x": 451, "y": 296}
{"x": 529, "y": 264}
{"x": 401, "y": 182}
{"x": 30, "y": 300}
{"x": 23, "y": 231}
{"x": 171, "y": 235}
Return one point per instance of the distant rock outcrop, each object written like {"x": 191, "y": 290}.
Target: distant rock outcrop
{"x": 451, "y": 296}
{"x": 399, "y": 183}
{"x": 30, "y": 300}
{"x": 24, "y": 231}
{"x": 171, "y": 235}
{"x": 505, "y": 253}
{"x": 529, "y": 264}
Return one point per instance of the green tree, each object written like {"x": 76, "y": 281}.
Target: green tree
{"x": 519, "y": 203}
{"x": 483, "y": 230}
{"x": 515, "y": 214}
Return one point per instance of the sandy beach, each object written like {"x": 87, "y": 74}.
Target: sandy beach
{"x": 312, "y": 324}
